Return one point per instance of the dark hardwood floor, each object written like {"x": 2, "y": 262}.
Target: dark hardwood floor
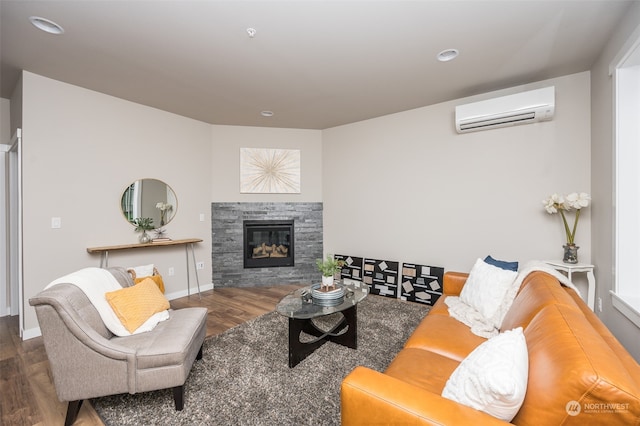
{"x": 27, "y": 394}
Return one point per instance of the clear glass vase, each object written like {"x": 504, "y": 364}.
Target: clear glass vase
{"x": 570, "y": 253}
{"x": 144, "y": 238}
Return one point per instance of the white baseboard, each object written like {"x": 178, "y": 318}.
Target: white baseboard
{"x": 31, "y": 333}
{"x": 184, "y": 293}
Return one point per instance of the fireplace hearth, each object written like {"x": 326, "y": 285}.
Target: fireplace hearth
{"x": 268, "y": 243}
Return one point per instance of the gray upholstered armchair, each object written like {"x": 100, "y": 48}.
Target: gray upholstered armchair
{"x": 88, "y": 361}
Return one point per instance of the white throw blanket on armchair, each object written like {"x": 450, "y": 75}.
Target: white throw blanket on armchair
{"x": 95, "y": 282}
{"x": 483, "y": 327}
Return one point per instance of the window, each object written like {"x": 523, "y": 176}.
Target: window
{"x": 626, "y": 81}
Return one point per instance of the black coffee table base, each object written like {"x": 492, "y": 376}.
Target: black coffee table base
{"x": 344, "y": 333}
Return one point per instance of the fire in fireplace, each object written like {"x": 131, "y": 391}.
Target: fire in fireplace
{"x": 268, "y": 243}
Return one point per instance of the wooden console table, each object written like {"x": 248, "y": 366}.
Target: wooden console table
{"x": 187, "y": 243}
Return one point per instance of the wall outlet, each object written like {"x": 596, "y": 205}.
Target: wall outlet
{"x": 201, "y": 217}
{"x": 56, "y": 223}
{"x": 599, "y": 304}
{"x": 172, "y": 271}
{"x": 200, "y": 265}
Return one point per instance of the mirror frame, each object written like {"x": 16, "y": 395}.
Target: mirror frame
{"x": 133, "y": 203}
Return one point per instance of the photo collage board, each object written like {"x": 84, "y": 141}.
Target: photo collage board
{"x": 421, "y": 283}
{"x": 415, "y": 283}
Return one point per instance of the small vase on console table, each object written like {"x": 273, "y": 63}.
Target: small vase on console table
{"x": 570, "y": 253}
{"x": 144, "y": 238}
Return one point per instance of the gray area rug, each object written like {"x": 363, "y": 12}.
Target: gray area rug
{"x": 244, "y": 377}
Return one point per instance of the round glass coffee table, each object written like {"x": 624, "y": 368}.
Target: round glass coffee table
{"x": 301, "y": 309}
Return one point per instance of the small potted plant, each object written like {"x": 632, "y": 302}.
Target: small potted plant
{"x": 143, "y": 224}
{"x": 329, "y": 267}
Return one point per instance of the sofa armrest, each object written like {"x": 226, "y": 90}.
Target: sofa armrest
{"x": 371, "y": 397}
{"x": 453, "y": 283}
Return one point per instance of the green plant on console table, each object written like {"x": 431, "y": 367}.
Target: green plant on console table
{"x": 143, "y": 224}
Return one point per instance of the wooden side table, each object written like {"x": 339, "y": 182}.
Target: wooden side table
{"x": 570, "y": 268}
{"x": 187, "y": 243}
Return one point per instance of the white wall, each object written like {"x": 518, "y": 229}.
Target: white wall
{"x": 81, "y": 149}
{"x": 225, "y": 161}
{"x": 602, "y": 169}
{"x": 407, "y": 187}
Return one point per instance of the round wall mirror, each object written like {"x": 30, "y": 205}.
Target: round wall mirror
{"x": 149, "y": 198}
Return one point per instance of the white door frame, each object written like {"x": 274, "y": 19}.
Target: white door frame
{"x": 5, "y": 296}
{"x": 15, "y": 229}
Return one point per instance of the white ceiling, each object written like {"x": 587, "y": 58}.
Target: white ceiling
{"x": 315, "y": 64}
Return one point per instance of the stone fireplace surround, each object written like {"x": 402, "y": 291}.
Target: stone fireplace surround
{"x": 227, "y": 243}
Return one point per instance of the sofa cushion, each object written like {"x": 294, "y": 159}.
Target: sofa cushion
{"x": 538, "y": 290}
{"x": 486, "y": 289}
{"x": 626, "y": 359}
{"x": 434, "y": 333}
{"x": 440, "y": 308}
{"x": 574, "y": 371}
{"x": 169, "y": 342}
{"x": 424, "y": 369}
{"x": 493, "y": 378}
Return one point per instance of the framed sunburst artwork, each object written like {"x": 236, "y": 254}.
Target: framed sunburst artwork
{"x": 269, "y": 171}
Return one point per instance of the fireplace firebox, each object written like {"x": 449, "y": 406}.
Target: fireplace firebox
{"x": 268, "y": 243}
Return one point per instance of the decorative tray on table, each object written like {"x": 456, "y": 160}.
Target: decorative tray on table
{"x": 327, "y": 296}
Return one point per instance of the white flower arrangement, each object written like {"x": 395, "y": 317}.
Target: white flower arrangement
{"x": 560, "y": 203}
{"x": 164, "y": 208}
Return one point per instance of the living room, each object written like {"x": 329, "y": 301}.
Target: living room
{"x": 402, "y": 186}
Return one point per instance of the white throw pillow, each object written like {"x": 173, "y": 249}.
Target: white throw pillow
{"x": 143, "y": 270}
{"x": 493, "y": 378}
{"x": 486, "y": 289}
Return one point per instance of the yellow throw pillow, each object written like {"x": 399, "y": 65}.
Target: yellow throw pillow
{"x": 156, "y": 278}
{"x": 134, "y": 305}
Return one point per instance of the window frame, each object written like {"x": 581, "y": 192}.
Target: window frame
{"x": 625, "y": 72}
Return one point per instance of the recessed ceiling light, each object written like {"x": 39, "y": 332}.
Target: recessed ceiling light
{"x": 267, "y": 113}
{"x": 46, "y": 25}
{"x": 448, "y": 55}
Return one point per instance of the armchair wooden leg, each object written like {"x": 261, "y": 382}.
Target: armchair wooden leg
{"x": 199, "y": 356}
{"x": 178, "y": 397}
{"x": 73, "y": 408}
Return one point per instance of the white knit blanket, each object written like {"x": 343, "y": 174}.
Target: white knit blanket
{"x": 95, "y": 282}
{"x": 483, "y": 327}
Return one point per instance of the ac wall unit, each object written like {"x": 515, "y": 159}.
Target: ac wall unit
{"x": 520, "y": 108}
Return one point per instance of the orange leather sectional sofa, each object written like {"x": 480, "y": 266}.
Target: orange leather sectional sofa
{"x": 579, "y": 374}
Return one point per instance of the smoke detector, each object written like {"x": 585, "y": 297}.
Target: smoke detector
{"x": 448, "y": 55}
